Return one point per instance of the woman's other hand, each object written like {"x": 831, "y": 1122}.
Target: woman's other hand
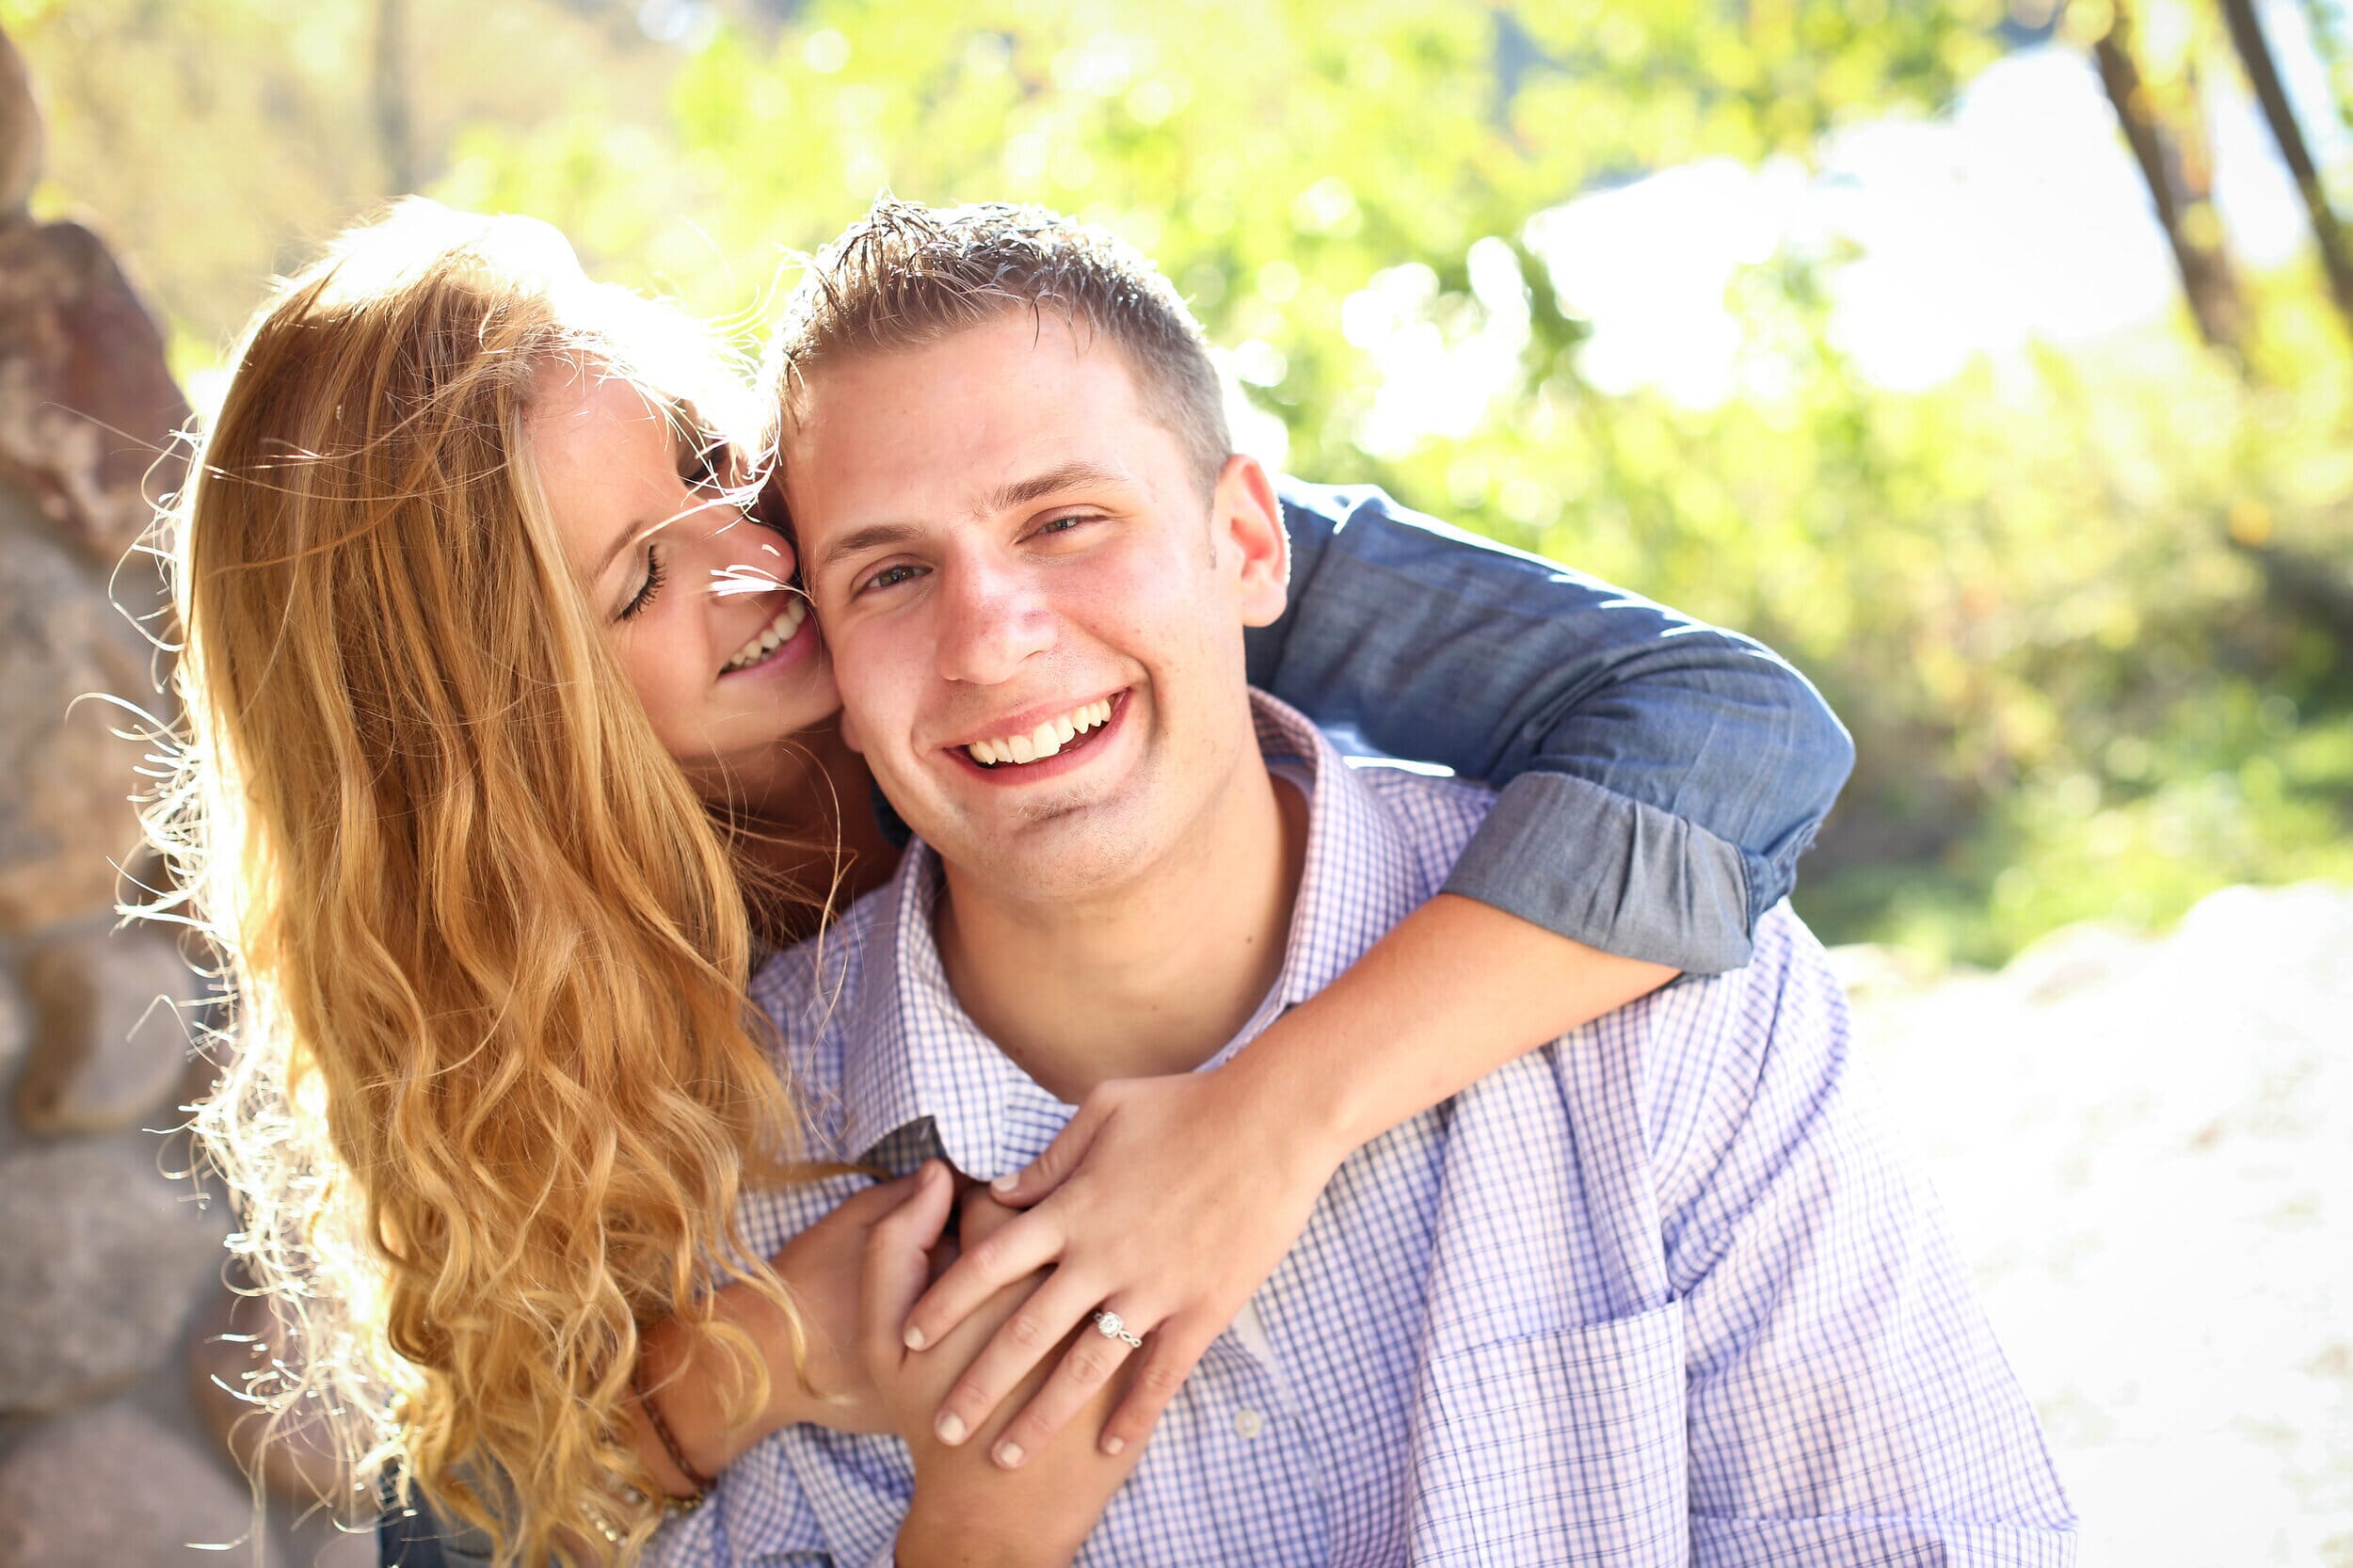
{"x": 823, "y": 1266}
{"x": 696, "y": 1386}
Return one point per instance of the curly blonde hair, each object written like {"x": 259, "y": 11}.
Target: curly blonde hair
{"x": 490, "y": 1087}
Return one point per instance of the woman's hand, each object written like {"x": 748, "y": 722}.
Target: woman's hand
{"x": 825, "y": 1267}
{"x": 697, "y": 1387}
{"x": 967, "y": 1510}
{"x": 1168, "y": 1201}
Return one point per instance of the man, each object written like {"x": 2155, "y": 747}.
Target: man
{"x": 1654, "y": 1293}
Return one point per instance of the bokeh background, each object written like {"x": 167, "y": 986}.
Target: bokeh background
{"x": 1990, "y": 363}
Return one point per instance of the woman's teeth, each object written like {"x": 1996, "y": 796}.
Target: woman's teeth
{"x": 772, "y": 636}
{"x": 1046, "y": 740}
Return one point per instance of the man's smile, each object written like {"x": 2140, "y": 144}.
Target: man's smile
{"x": 1041, "y": 743}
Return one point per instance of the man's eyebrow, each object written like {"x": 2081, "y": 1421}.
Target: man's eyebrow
{"x": 1069, "y": 477}
{"x": 1004, "y": 498}
{"x": 879, "y": 536}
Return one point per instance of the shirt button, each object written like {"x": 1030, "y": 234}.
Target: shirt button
{"x": 1248, "y": 1423}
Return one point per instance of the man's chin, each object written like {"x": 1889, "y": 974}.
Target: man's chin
{"x": 1063, "y": 843}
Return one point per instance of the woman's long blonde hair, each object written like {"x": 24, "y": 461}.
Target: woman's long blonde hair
{"x": 490, "y": 1086}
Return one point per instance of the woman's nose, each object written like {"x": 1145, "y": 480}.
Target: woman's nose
{"x": 745, "y": 557}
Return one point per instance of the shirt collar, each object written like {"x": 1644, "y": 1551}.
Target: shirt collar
{"x": 911, "y": 1051}
{"x": 1357, "y": 880}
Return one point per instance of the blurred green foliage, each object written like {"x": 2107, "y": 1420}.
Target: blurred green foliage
{"x": 2087, "y": 612}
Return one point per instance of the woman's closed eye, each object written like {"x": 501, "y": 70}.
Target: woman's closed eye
{"x": 655, "y": 576}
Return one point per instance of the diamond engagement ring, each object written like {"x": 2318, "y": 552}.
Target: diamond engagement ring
{"x": 1112, "y": 1326}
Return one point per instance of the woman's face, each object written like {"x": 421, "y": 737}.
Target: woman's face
{"x": 724, "y": 657}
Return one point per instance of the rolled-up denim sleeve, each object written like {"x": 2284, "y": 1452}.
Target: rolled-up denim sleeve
{"x": 1659, "y": 777}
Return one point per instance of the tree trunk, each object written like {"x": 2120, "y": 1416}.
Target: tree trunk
{"x": 2254, "y": 53}
{"x": 2178, "y": 167}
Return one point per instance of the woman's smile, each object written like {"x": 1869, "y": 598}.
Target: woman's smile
{"x": 786, "y": 636}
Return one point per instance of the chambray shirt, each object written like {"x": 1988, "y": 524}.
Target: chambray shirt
{"x": 1659, "y": 1292}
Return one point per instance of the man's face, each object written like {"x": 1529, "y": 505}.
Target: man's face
{"x": 1035, "y": 615}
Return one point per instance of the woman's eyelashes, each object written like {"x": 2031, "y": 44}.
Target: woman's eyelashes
{"x": 655, "y": 576}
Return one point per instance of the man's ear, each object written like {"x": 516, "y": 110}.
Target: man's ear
{"x": 1247, "y": 521}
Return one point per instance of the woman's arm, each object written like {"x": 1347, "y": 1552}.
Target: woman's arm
{"x": 1659, "y": 777}
{"x": 1659, "y": 781}
{"x": 696, "y": 1387}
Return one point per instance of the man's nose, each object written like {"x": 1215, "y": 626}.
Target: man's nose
{"x": 991, "y": 620}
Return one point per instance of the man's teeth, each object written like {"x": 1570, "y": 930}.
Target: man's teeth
{"x": 1046, "y": 740}
{"x": 774, "y": 635}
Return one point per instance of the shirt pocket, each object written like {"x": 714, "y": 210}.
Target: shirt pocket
{"x": 1560, "y": 1447}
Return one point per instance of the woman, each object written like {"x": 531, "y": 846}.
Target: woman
{"x": 488, "y": 810}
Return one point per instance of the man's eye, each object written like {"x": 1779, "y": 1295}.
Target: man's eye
{"x": 1063, "y": 525}
{"x": 890, "y": 577}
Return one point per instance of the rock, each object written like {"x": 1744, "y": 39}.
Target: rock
{"x": 110, "y": 1488}
{"x": 111, "y": 1043}
{"x": 103, "y": 1257}
{"x": 21, "y": 137}
{"x": 89, "y": 412}
{"x": 16, "y": 1027}
{"x": 2075, "y": 958}
{"x": 64, "y": 777}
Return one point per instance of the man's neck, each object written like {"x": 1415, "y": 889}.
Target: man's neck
{"x": 1152, "y": 979}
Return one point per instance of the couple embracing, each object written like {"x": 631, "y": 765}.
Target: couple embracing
{"x": 1191, "y": 1147}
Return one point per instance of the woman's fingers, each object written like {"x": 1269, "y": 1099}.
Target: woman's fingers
{"x": 1170, "y": 1354}
{"x": 1011, "y": 1252}
{"x": 1065, "y": 1154}
{"x": 897, "y": 1264}
{"x": 869, "y": 1204}
{"x": 1024, "y": 1339}
{"x": 1085, "y": 1367}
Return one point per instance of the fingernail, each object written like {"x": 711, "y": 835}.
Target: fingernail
{"x": 1112, "y": 1445}
{"x": 1004, "y": 1184}
{"x": 1009, "y": 1455}
{"x": 914, "y": 1338}
{"x": 951, "y": 1428}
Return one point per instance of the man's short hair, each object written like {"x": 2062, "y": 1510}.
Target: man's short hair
{"x": 907, "y": 276}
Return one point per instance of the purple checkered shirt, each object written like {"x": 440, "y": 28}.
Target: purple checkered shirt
{"x": 1658, "y": 1292}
